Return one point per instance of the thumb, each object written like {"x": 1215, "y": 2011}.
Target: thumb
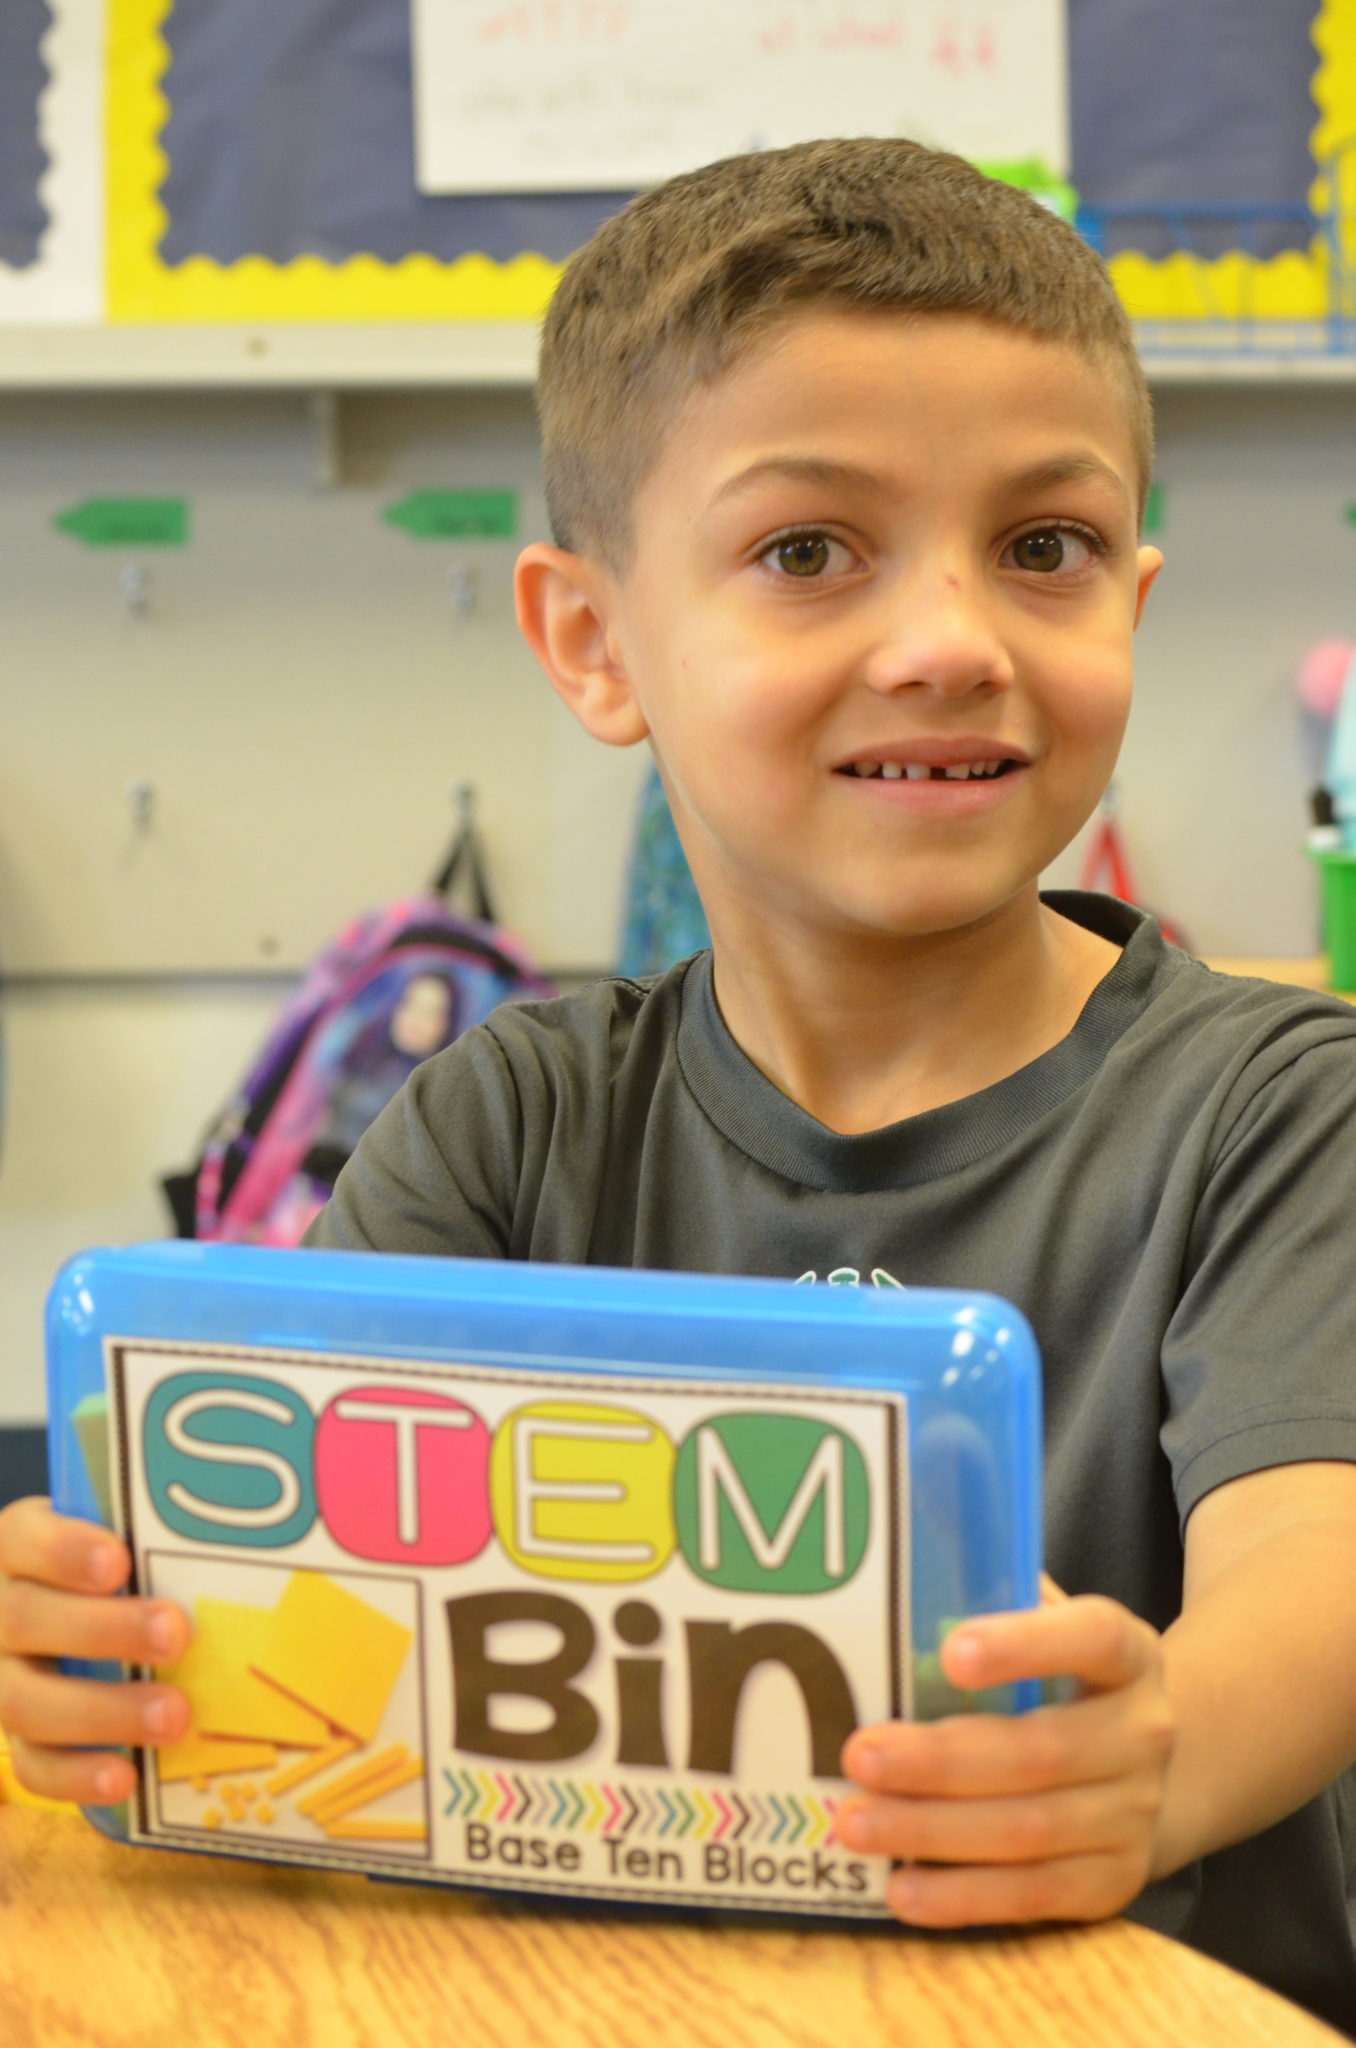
{"x": 1051, "y": 1594}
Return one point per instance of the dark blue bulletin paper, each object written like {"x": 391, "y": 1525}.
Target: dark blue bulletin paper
{"x": 23, "y": 78}
{"x": 292, "y": 134}
{"x": 1200, "y": 105}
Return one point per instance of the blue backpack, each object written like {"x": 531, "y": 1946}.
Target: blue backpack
{"x": 663, "y": 920}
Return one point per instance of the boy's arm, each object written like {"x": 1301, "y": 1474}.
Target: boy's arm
{"x": 1172, "y": 1749}
{"x": 1261, "y": 1666}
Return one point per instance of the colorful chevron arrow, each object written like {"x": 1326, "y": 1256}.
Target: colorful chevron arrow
{"x": 604, "y": 1806}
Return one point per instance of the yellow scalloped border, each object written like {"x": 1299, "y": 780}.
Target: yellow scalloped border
{"x": 1334, "y": 86}
{"x": 140, "y": 287}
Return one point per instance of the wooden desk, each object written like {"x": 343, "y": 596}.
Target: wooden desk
{"x": 1310, "y": 973}
{"x": 103, "y": 1946}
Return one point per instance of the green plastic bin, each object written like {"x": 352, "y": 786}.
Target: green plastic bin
{"x": 1337, "y": 880}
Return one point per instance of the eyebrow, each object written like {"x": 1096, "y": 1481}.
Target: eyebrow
{"x": 1067, "y": 469}
{"x": 1074, "y": 468}
{"x": 800, "y": 469}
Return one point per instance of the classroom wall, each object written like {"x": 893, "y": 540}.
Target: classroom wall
{"x": 302, "y": 694}
{"x": 1260, "y": 561}
{"x": 304, "y": 697}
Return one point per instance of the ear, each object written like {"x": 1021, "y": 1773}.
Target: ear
{"x": 1150, "y": 562}
{"x": 565, "y": 604}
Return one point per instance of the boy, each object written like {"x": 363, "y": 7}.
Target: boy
{"x": 845, "y": 452}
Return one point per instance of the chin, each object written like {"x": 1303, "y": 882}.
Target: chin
{"x": 929, "y": 914}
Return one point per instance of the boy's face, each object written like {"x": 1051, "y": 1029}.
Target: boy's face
{"x": 882, "y": 541}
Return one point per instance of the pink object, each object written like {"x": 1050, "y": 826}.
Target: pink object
{"x": 1322, "y": 673}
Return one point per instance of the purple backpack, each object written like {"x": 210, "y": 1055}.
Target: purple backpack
{"x": 395, "y": 986}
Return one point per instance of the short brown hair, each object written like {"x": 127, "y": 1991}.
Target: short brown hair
{"x": 670, "y": 290}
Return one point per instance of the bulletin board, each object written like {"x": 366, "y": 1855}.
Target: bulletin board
{"x": 256, "y": 162}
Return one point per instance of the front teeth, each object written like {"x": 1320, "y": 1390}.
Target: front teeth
{"x": 919, "y": 771}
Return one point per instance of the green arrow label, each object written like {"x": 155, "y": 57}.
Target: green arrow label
{"x": 127, "y": 522}
{"x": 456, "y": 515}
{"x": 1153, "y": 508}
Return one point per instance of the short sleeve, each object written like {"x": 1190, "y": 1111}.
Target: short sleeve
{"x": 1259, "y": 1360}
{"x": 436, "y": 1173}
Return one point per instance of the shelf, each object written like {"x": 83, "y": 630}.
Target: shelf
{"x": 429, "y": 355}
{"x": 290, "y": 356}
{"x": 1175, "y": 371}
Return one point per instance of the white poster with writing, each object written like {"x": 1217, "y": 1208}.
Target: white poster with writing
{"x": 614, "y": 95}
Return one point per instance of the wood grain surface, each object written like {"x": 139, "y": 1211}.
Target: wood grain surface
{"x": 1311, "y": 973}
{"x": 104, "y": 1946}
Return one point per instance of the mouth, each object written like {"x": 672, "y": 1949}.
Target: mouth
{"x": 987, "y": 769}
{"x": 964, "y": 775}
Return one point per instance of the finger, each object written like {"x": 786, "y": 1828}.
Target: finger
{"x": 42, "y": 1706}
{"x": 1089, "y": 1638}
{"x": 37, "y": 1543}
{"x": 995, "y": 1756}
{"x": 1071, "y": 1821}
{"x": 1067, "y": 1888}
{"x": 37, "y": 1622}
{"x": 90, "y": 1777}
{"x": 1051, "y": 1594}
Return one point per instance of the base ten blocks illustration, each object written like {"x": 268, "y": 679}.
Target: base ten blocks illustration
{"x": 289, "y": 1703}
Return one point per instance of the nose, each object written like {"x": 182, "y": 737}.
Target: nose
{"x": 938, "y": 632}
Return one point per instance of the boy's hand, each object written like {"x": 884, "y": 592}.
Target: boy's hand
{"x": 56, "y": 1576}
{"x": 1048, "y": 1815}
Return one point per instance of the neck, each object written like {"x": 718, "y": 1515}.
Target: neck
{"x": 863, "y": 1034}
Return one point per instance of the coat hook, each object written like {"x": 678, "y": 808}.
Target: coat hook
{"x": 141, "y": 803}
{"x": 464, "y": 589}
{"x": 134, "y": 580}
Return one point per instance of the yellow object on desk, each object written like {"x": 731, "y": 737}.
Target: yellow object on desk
{"x": 1307, "y": 973}
{"x": 12, "y": 1793}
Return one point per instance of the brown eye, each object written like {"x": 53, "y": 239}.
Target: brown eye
{"x": 803, "y": 554}
{"x": 1043, "y": 550}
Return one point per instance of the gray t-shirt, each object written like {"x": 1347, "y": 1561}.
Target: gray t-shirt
{"x": 1169, "y": 1195}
